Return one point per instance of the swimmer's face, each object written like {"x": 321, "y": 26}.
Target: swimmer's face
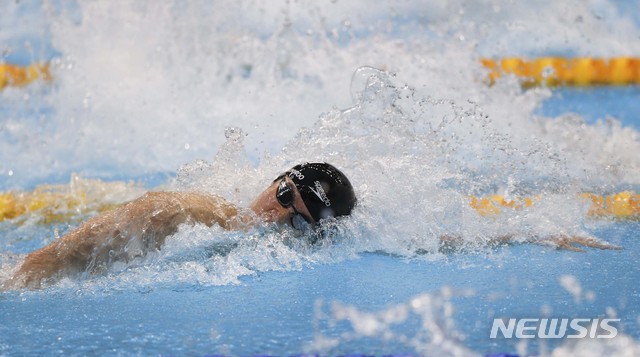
{"x": 284, "y": 208}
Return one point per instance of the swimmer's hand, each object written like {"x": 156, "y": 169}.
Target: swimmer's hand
{"x": 576, "y": 243}
{"x": 573, "y": 243}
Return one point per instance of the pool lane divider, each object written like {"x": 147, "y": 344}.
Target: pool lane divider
{"x": 560, "y": 71}
{"x": 545, "y": 71}
{"x": 70, "y": 202}
{"x": 67, "y": 202}
{"x": 12, "y": 75}
{"x": 623, "y": 205}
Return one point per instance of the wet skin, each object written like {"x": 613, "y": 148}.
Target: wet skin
{"x": 141, "y": 226}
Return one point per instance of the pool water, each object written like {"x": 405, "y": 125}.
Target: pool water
{"x": 293, "y": 312}
{"x": 222, "y": 97}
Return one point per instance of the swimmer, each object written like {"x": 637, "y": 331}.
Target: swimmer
{"x": 306, "y": 194}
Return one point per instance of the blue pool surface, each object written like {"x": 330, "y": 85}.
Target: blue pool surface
{"x": 597, "y": 103}
{"x": 274, "y": 313}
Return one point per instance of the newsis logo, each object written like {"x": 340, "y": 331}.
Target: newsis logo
{"x": 554, "y": 328}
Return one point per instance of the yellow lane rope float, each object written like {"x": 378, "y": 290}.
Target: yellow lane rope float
{"x": 555, "y": 71}
{"x": 63, "y": 203}
{"x": 18, "y": 76}
{"x": 490, "y": 205}
{"x": 550, "y": 71}
{"x": 622, "y": 205}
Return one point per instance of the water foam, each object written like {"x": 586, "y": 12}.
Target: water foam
{"x": 150, "y": 87}
{"x": 413, "y": 189}
{"x": 146, "y": 87}
{"x": 435, "y": 332}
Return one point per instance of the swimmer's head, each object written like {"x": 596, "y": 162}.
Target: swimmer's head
{"x": 309, "y": 192}
{"x": 325, "y": 190}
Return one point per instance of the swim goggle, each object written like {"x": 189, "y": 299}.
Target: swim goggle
{"x": 285, "y": 196}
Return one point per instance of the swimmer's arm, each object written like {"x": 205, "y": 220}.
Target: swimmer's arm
{"x": 122, "y": 234}
{"x": 575, "y": 243}
{"x": 569, "y": 242}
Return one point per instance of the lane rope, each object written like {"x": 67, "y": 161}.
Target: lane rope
{"x": 60, "y": 203}
{"x": 559, "y": 71}
{"x": 622, "y": 205}
{"x": 549, "y": 71}
{"x": 12, "y": 75}
{"x": 48, "y": 204}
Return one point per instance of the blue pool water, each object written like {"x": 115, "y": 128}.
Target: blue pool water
{"x": 595, "y": 104}
{"x": 276, "y": 313}
{"x": 223, "y": 96}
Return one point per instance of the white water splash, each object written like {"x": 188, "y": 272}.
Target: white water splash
{"x": 435, "y": 336}
{"x": 147, "y": 86}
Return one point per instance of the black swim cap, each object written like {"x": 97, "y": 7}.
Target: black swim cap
{"x": 325, "y": 190}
